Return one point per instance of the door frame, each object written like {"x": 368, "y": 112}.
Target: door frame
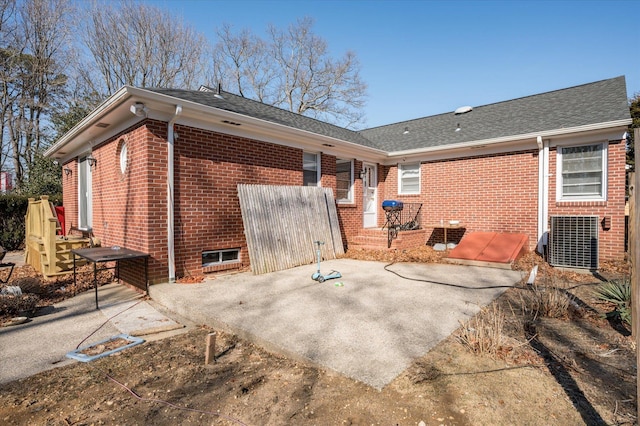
{"x": 85, "y": 201}
{"x": 373, "y": 178}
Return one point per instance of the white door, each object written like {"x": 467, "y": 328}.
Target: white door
{"x": 370, "y": 193}
{"x": 84, "y": 194}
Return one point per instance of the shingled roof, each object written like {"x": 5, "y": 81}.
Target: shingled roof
{"x": 600, "y": 102}
{"x": 593, "y": 103}
{"x": 238, "y": 104}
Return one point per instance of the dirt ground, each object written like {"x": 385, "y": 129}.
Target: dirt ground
{"x": 575, "y": 369}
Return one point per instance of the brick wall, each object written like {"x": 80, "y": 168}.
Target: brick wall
{"x": 129, "y": 209}
{"x": 485, "y": 193}
{"x": 208, "y": 167}
{"x": 499, "y": 193}
{"x": 611, "y": 241}
{"x": 350, "y": 214}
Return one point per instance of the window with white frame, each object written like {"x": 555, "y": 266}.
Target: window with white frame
{"x": 582, "y": 172}
{"x": 344, "y": 181}
{"x": 409, "y": 178}
{"x": 310, "y": 169}
{"x": 220, "y": 257}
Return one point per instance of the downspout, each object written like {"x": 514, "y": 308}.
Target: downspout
{"x": 543, "y": 192}
{"x": 545, "y": 200}
{"x": 540, "y": 193}
{"x": 170, "y": 195}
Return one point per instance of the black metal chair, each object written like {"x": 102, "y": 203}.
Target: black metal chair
{"x": 11, "y": 265}
{"x": 5, "y": 266}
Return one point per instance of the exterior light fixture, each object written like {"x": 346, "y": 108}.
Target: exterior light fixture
{"x": 138, "y": 109}
{"x": 363, "y": 174}
{"x": 67, "y": 171}
{"x": 92, "y": 161}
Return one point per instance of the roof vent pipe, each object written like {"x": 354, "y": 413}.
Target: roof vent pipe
{"x": 218, "y": 94}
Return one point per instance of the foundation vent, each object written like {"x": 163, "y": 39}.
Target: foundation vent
{"x": 573, "y": 241}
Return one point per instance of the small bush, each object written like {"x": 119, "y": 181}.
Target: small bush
{"x": 550, "y": 302}
{"x": 11, "y": 305}
{"x": 619, "y": 294}
{"x": 483, "y": 333}
{"x": 31, "y": 285}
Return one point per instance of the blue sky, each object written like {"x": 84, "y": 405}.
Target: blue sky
{"x": 421, "y": 58}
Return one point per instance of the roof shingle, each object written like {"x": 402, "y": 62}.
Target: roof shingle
{"x": 599, "y": 102}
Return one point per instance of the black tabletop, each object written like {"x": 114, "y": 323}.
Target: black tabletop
{"x": 106, "y": 254}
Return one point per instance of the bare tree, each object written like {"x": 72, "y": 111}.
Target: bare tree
{"x": 135, "y": 44}
{"x": 7, "y": 31}
{"x": 292, "y": 70}
{"x": 32, "y": 76}
{"x": 244, "y": 64}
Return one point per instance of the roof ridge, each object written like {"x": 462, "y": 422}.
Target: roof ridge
{"x": 498, "y": 102}
{"x": 212, "y": 90}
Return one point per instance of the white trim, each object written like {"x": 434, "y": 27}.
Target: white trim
{"x": 318, "y": 166}
{"x": 514, "y": 138}
{"x": 373, "y": 215}
{"x": 89, "y": 192}
{"x": 81, "y": 146}
{"x": 171, "y": 196}
{"x": 605, "y": 175}
{"x": 400, "y": 166}
{"x": 123, "y": 156}
{"x": 541, "y": 194}
{"x": 221, "y": 262}
{"x": 109, "y": 103}
{"x": 350, "y": 195}
{"x": 160, "y": 106}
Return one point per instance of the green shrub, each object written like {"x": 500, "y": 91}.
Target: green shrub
{"x": 619, "y": 294}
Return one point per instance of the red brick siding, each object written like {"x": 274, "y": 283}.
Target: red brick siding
{"x": 500, "y": 193}
{"x": 485, "y": 193}
{"x": 611, "y": 241}
{"x": 350, "y": 215}
{"x": 208, "y": 168}
{"x": 129, "y": 209}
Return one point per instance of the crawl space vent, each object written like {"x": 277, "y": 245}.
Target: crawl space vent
{"x": 573, "y": 241}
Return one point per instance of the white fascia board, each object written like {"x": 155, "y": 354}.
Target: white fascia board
{"x": 108, "y": 104}
{"x": 498, "y": 145}
{"x": 84, "y": 145}
{"x": 210, "y": 118}
{"x": 280, "y": 135}
{"x": 161, "y": 107}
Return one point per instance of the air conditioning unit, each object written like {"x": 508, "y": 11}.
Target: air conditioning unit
{"x": 573, "y": 242}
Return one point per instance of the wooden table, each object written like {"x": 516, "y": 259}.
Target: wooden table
{"x": 109, "y": 254}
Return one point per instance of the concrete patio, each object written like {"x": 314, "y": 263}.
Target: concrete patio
{"x": 369, "y": 329}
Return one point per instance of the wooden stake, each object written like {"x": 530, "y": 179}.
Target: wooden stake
{"x": 210, "y": 354}
{"x": 635, "y": 262}
{"x": 631, "y": 247}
